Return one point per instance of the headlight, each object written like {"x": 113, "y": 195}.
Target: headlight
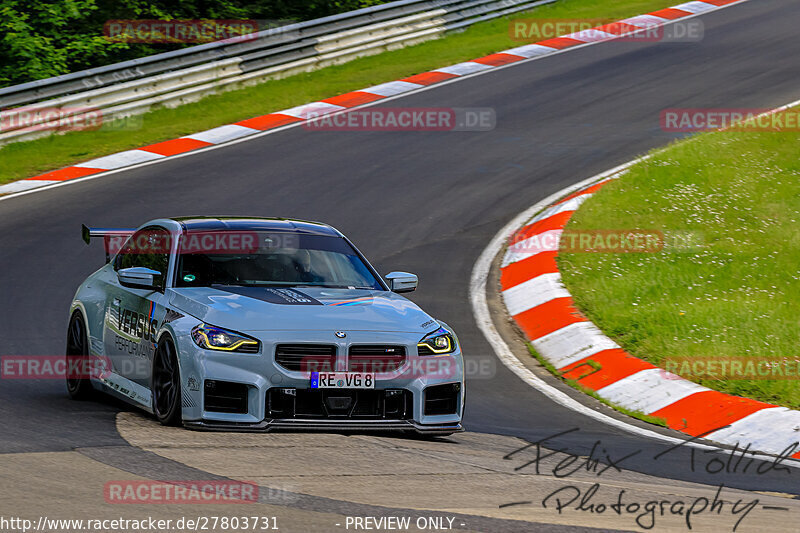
{"x": 214, "y": 338}
{"x": 438, "y": 342}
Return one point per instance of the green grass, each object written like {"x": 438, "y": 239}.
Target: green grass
{"x": 26, "y": 159}
{"x": 732, "y": 295}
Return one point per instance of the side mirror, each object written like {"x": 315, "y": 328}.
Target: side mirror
{"x": 402, "y": 281}
{"x": 139, "y": 278}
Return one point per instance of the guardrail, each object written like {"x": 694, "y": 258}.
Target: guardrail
{"x": 186, "y": 75}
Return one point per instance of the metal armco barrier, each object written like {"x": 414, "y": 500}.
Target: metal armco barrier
{"x": 187, "y": 75}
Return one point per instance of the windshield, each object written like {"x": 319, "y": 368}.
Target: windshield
{"x": 287, "y": 261}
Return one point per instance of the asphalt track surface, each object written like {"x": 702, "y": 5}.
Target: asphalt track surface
{"x": 425, "y": 202}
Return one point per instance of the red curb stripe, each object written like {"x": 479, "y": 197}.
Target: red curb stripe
{"x": 498, "y": 59}
{"x": 429, "y": 78}
{"x": 557, "y": 221}
{"x": 705, "y": 411}
{"x": 589, "y": 190}
{"x": 69, "y": 173}
{"x": 615, "y": 364}
{"x": 353, "y": 99}
{"x": 527, "y": 269}
{"x": 175, "y": 146}
{"x": 559, "y": 43}
{"x": 267, "y": 122}
{"x": 548, "y": 317}
{"x": 670, "y": 13}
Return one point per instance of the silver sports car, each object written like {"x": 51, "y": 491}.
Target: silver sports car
{"x": 257, "y": 324}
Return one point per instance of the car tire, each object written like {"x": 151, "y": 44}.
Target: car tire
{"x": 166, "y": 384}
{"x": 77, "y": 347}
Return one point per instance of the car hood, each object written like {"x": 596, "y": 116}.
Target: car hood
{"x": 304, "y": 308}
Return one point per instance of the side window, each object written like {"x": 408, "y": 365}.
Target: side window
{"x": 149, "y": 248}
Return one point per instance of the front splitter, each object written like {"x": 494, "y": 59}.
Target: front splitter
{"x": 326, "y": 425}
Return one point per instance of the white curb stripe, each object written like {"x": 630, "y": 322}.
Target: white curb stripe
{"x": 649, "y": 390}
{"x": 121, "y": 159}
{"x": 534, "y": 293}
{"x": 530, "y": 50}
{"x": 570, "y": 205}
{"x": 644, "y": 21}
{"x": 695, "y": 7}
{"x": 23, "y": 185}
{"x": 546, "y": 241}
{"x": 314, "y": 109}
{"x": 462, "y": 69}
{"x": 771, "y": 430}
{"x": 392, "y": 88}
{"x": 572, "y": 343}
{"x": 222, "y": 134}
{"x": 591, "y": 36}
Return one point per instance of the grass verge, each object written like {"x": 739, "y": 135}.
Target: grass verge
{"x": 732, "y": 294}
{"x": 26, "y": 159}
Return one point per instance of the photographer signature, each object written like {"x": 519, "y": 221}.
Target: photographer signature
{"x": 600, "y": 460}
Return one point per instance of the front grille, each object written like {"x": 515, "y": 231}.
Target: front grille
{"x": 376, "y": 358}
{"x": 364, "y": 404}
{"x": 442, "y": 399}
{"x": 225, "y": 397}
{"x": 306, "y": 357}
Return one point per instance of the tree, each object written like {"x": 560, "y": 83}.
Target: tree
{"x": 48, "y": 38}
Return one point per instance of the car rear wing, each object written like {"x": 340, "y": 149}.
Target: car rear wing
{"x": 113, "y": 238}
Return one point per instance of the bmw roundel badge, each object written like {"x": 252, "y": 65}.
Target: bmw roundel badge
{"x": 341, "y": 334}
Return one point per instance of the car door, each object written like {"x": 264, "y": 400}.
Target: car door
{"x": 134, "y": 314}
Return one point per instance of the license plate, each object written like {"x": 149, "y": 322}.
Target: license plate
{"x": 342, "y": 380}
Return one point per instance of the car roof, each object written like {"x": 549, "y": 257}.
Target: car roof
{"x": 255, "y": 224}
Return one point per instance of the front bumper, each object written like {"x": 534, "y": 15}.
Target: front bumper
{"x": 260, "y": 374}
